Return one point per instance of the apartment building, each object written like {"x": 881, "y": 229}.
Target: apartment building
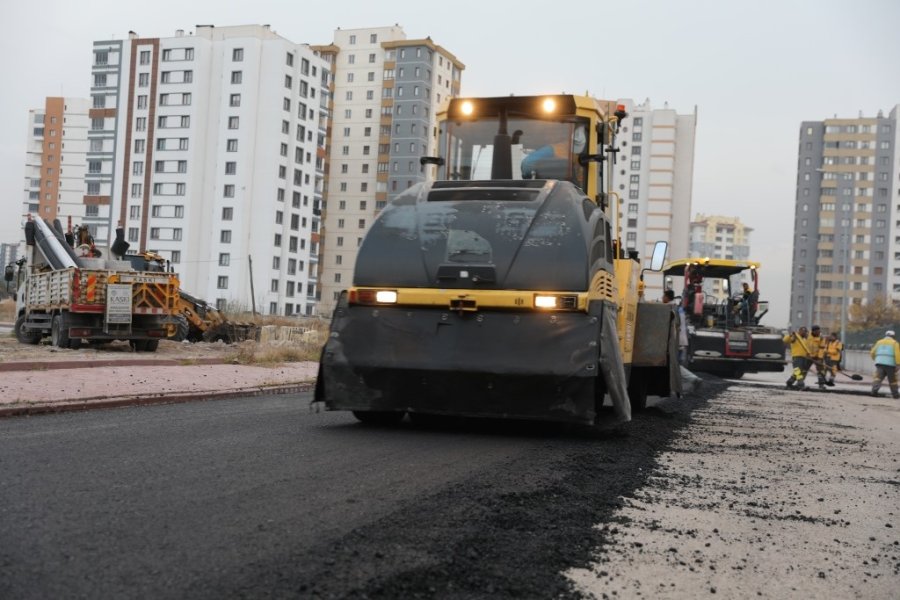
{"x": 387, "y": 90}
{"x": 55, "y": 162}
{"x": 209, "y": 148}
{"x": 714, "y": 236}
{"x": 10, "y": 253}
{"x": 847, "y": 217}
{"x": 655, "y": 178}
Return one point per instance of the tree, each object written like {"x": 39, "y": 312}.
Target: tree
{"x": 880, "y": 312}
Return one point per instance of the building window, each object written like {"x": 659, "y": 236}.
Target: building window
{"x": 236, "y": 76}
{"x": 233, "y": 122}
{"x": 224, "y": 259}
{"x": 222, "y": 282}
{"x": 232, "y": 145}
{"x": 225, "y": 236}
{"x": 227, "y": 213}
{"x": 230, "y": 168}
{"x": 237, "y": 54}
{"x": 133, "y": 234}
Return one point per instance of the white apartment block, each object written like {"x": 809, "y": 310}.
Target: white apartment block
{"x": 209, "y": 148}
{"x": 55, "y": 162}
{"x": 655, "y": 178}
{"x": 386, "y": 93}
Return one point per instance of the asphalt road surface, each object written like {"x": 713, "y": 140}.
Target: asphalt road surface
{"x": 259, "y": 497}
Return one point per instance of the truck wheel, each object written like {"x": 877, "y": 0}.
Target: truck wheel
{"x": 25, "y": 336}
{"x": 637, "y": 392}
{"x": 59, "y": 331}
{"x": 379, "y": 417}
{"x": 144, "y": 345}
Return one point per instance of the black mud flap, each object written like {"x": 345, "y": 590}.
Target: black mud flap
{"x": 612, "y": 367}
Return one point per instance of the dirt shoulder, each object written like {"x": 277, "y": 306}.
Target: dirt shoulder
{"x": 11, "y": 351}
{"x": 42, "y": 378}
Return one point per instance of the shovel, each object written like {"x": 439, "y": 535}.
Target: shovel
{"x": 853, "y": 376}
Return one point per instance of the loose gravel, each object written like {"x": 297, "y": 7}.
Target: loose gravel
{"x": 767, "y": 493}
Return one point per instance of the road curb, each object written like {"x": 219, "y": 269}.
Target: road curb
{"x": 125, "y": 362}
{"x": 148, "y": 400}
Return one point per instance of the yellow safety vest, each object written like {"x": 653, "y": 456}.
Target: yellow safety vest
{"x": 799, "y": 345}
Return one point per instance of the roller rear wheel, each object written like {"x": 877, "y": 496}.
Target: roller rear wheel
{"x": 637, "y": 392}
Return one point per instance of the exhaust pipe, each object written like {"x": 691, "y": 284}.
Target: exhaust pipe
{"x": 119, "y": 247}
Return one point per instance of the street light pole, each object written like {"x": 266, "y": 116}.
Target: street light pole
{"x": 844, "y": 307}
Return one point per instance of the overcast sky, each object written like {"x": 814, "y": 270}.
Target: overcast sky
{"x": 754, "y": 70}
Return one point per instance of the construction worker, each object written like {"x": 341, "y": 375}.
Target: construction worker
{"x": 832, "y": 355}
{"x": 886, "y": 353}
{"x": 800, "y": 357}
{"x": 749, "y": 300}
{"x": 816, "y": 345}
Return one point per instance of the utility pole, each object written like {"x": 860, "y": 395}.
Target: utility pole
{"x": 252, "y": 293}
{"x": 846, "y": 296}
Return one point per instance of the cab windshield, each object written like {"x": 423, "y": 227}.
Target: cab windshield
{"x": 538, "y": 149}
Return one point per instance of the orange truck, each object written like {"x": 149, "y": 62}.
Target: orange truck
{"x": 71, "y": 298}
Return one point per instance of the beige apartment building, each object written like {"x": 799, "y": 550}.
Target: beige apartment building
{"x": 386, "y": 92}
